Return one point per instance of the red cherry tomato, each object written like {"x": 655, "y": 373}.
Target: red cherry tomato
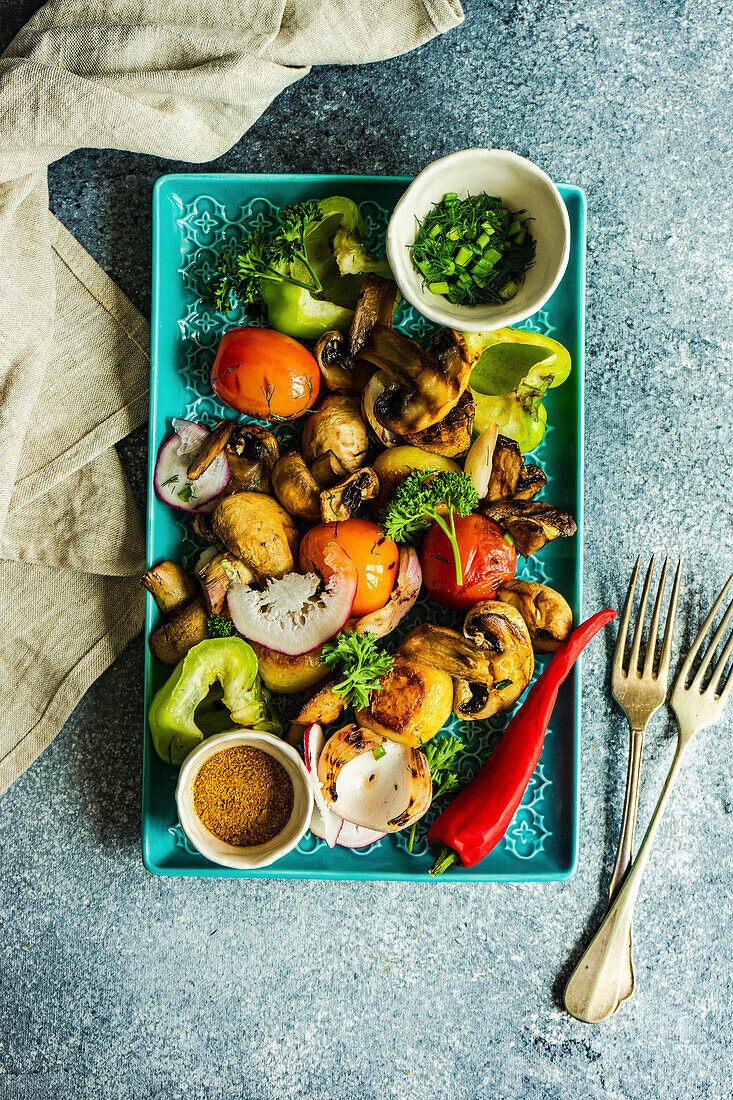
{"x": 375, "y": 557}
{"x": 487, "y": 560}
{"x": 265, "y": 374}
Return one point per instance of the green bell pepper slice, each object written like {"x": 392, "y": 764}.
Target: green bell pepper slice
{"x": 295, "y": 311}
{"x": 511, "y": 370}
{"x": 224, "y": 668}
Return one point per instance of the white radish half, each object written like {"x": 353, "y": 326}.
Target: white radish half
{"x": 331, "y": 824}
{"x": 384, "y": 792}
{"x": 350, "y": 836}
{"x": 401, "y": 600}
{"x": 480, "y": 460}
{"x": 292, "y": 614}
{"x": 171, "y": 481}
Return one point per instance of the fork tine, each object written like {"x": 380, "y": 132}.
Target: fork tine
{"x": 682, "y": 675}
{"x": 710, "y": 651}
{"x": 623, "y": 627}
{"x": 636, "y": 644}
{"x": 723, "y": 689}
{"x": 665, "y": 655}
{"x": 651, "y": 641}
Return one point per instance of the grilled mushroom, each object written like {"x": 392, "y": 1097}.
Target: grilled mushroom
{"x": 378, "y": 386}
{"x": 327, "y": 470}
{"x": 170, "y": 586}
{"x": 343, "y": 501}
{"x": 531, "y": 523}
{"x": 296, "y": 488}
{"x": 505, "y": 469}
{"x": 173, "y": 640}
{"x": 213, "y": 445}
{"x": 337, "y": 426}
{"x": 472, "y": 702}
{"x": 430, "y": 382}
{"x": 323, "y": 707}
{"x": 446, "y": 649}
{"x": 258, "y": 531}
{"x": 337, "y": 355}
{"x": 252, "y": 452}
{"x": 531, "y": 481}
{"x": 498, "y": 630}
{"x": 451, "y": 436}
{"x": 546, "y": 613}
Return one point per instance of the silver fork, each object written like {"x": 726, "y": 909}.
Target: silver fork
{"x": 591, "y": 994}
{"x": 640, "y": 694}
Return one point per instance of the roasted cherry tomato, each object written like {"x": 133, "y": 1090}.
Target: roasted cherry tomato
{"x": 488, "y": 559}
{"x": 375, "y": 557}
{"x": 265, "y": 374}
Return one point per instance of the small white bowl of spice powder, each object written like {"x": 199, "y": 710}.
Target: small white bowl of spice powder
{"x": 244, "y": 799}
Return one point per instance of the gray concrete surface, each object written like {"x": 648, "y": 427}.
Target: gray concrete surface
{"x": 116, "y": 984}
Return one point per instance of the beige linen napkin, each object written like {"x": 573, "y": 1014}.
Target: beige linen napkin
{"x": 176, "y": 78}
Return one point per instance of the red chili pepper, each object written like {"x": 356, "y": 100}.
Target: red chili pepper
{"x": 476, "y": 820}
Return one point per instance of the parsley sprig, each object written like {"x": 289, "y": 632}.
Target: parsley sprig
{"x": 418, "y": 501}
{"x": 441, "y": 753}
{"x": 219, "y": 626}
{"x": 241, "y": 275}
{"x": 359, "y": 662}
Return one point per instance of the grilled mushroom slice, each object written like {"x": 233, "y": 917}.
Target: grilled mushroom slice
{"x": 213, "y": 445}
{"x": 337, "y": 426}
{"x": 337, "y": 355}
{"x": 546, "y": 613}
{"x": 217, "y": 573}
{"x": 498, "y": 629}
{"x": 170, "y": 586}
{"x": 296, "y": 488}
{"x": 430, "y": 382}
{"x": 472, "y": 702}
{"x": 327, "y": 470}
{"x": 445, "y": 649}
{"x": 342, "y": 501}
{"x": 531, "y": 523}
{"x": 451, "y": 436}
{"x": 252, "y": 452}
{"x": 531, "y": 481}
{"x": 378, "y": 386}
{"x": 505, "y": 469}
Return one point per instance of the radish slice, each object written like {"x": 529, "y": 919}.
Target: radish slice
{"x": 480, "y": 459}
{"x": 402, "y": 599}
{"x": 291, "y": 614}
{"x": 171, "y": 482}
{"x": 331, "y": 824}
{"x": 351, "y": 836}
{"x": 385, "y": 792}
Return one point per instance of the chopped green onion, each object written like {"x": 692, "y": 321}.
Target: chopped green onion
{"x": 379, "y": 751}
{"x": 463, "y": 255}
{"x": 454, "y": 234}
{"x": 503, "y": 684}
{"x": 438, "y": 288}
{"x": 436, "y": 230}
{"x": 483, "y": 240}
{"x": 450, "y": 196}
{"x": 508, "y": 538}
{"x": 508, "y": 291}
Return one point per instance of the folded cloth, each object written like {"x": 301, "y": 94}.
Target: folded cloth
{"x": 176, "y": 78}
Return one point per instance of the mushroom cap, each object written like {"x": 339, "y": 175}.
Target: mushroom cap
{"x": 337, "y": 426}
{"x": 258, "y": 531}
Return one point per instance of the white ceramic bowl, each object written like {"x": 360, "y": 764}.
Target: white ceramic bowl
{"x": 260, "y": 855}
{"x": 521, "y": 185}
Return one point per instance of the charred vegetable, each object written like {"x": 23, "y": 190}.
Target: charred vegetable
{"x": 531, "y": 523}
{"x": 546, "y": 613}
{"x": 412, "y": 704}
{"x": 338, "y": 427}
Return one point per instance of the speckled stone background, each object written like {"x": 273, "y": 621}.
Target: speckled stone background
{"x": 117, "y": 984}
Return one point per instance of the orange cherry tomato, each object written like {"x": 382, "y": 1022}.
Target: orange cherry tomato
{"x": 375, "y": 557}
{"x": 265, "y": 374}
{"x": 487, "y": 559}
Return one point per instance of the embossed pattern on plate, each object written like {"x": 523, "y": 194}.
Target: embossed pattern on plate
{"x": 199, "y": 222}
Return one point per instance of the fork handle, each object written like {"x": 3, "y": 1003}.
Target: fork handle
{"x": 626, "y": 839}
{"x": 592, "y": 992}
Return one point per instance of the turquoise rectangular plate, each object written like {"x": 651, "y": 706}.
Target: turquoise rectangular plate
{"x": 194, "y": 217}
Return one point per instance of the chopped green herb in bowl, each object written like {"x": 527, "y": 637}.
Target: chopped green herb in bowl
{"x": 473, "y": 250}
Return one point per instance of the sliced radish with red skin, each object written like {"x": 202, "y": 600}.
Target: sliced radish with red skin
{"x": 384, "y": 792}
{"x": 294, "y": 614}
{"x": 171, "y": 479}
{"x": 350, "y": 836}
{"x": 331, "y": 824}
